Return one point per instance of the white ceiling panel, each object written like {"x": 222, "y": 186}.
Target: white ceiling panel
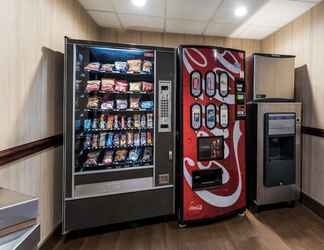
{"x": 102, "y": 5}
{"x": 105, "y": 19}
{"x": 202, "y": 10}
{"x": 220, "y": 29}
{"x": 135, "y": 22}
{"x": 185, "y": 26}
{"x": 253, "y": 32}
{"x": 152, "y": 7}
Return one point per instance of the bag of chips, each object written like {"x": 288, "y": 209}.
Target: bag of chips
{"x": 134, "y": 66}
{"x": 133, "y": 155}
{"x": 121, "y": 85}
{"x": 92, "y": 86}
{"x": 130, "y": 138}
{"x": 147, "y": 86}
{"x": 94, "y": 141}
{"x": 107, "y": 85}
{"x": 120, "y": 155}
{"x": 107, "y": 104}
{"x": 102, "y": 139}
{"x": 107, "y": 67}
{"x": 94, "y": 66}
{"x": 135, "y": 86}
{"x": 143, "y": 138}
{"x": 134, "y": 102}
{"x": 149, "y": 138}
{"x": 147, "y": 67}
{"x": 123, "y": 140}
{"x": 146, "y": 104}
{"x": 92, "y": 158}
{"x": 121, "y": 104}
{"x": 108, "y": 158}
{"x": 147, "y": 154}
{"x": 109, "y": 140}
{"x": 121, "y": 67}
{"x": 143, "y": 121}
{"x": 136, "y": 139}
{"x": 87, "y": 124}
{"x": 93, "y": 102}
{"x": 149, "y": 120}
{"x": 110, "y": 122}
{"x": 137, "y": 120}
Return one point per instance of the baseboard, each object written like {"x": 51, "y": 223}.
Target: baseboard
{"x": 52, "y": 239}
{"x": 312, "y": 204}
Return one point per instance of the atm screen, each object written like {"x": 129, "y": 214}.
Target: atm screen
{"x": 210, "y": 148}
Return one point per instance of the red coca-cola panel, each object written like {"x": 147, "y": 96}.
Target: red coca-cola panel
{"x": 212, "y": 134}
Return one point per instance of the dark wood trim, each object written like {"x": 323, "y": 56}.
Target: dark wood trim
{"x": 312, "y": 204}
{"x": 21, "y": 151}
{"x": 52, "y": 239}
{"x": 313, "y": 131}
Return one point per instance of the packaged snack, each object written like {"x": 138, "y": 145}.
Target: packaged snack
{"x": 107, "y": 85}
{"x": 87, "y": 124}
{"x": 149, "y": 138}
{"x": 133, "y": 155}
{"x": 94, "y": 141}
{"x": 107, "y": 67}
{"x": 129, "y": 122}
{"x": 135, "y": 86}
{"x": 134, "y": 102}
{"x": 147, "y": 154}
{"x": 92, "y": 158}
{"x": 93, "y": 102}
{"x": 116, "y": 140}
{"x": 102, "y": 139}
{"x": 109, "y": 140}
{"x": 110, "y": 122}
{"x": 116, "y": 123}
{"x": 102, "y": 122}
{"x": 120, "y": 155}
{"x": 92, "y": 86}
{"x": 147, "y": 67}
{"x": 149, "y": 120}
{"x": 121, "y": 104}
{"x": 137, "y": 121}
{"x": 136, "y": 139}
{"x": 122, "y": 122}
{"x": 143, "y": 121}
{"x": 108, "y": 157}
{"x": 77, "y": 124}
{"x": 143, "y": 138}
{"x": 129, "y": 138}
{"x": 121, "y": 85}
{"x": 134, "y": 66}
{"x": 107, "y": 104}
{"x": 123, "y": 140}
{"x": 94, "y": 123}
{"x": 87, "y": 141}
{"x": 147, "y": 86}
{"x": 121, "y": 67}
{"x": 92, "y": 66}
{"x": 146, "y": 104}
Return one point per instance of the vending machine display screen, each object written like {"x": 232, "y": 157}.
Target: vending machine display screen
{"x": 210, "y": 148}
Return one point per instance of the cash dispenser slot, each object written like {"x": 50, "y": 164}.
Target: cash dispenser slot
{"x": 207, "y": 178}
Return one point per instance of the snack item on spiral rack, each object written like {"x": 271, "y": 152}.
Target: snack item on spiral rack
{"x": 143, "y": 138}
{"x": 108, "y": 157}
{"x": 149, "y": 138}
{"x": 147, "y": 86}
{"x": 123, "y": 140}
{"x": 107, "y": 85}
{"x": 94, "y": 141}
{"x": 107, "y": 104}
{"x": 87, "y": 141}
{"x": 135, "y": 86}
{"x": 102, "y": 139}
{"x": 146, "y": 104}
{"x": 147, "y": 155}
{"x": 147, "y": 67}
{"x": 137, "y": 120}
{"x": 133, "y": 154}
{"x": 134, "y": 102}
{"x": 149, "y": 120}
{"x": 93, "y": 66}
{"x": 116, "y": 139}
{"x": 121, "y": 104}
{"x": 87, "y": 124}
{"x": 121, "y": 85}
{"x": 93, "y": 85}
{"x": 136, "y": 139}
{"x": 121, "y": 67}
{"x": 130, "y": 139}
{"x": 129, "y": 122}
{"x": 102, "y": 122}
{"x": 116, "y": 122}
{"x": 108, "y": 67}
{"x": 110, "y": 121}
{"x": 120, "y": 155}
{"x": 94, "y": 123}
{"x": 134, "y": 66}
{"x": 143, "y": 121}
{"x": 92, "y": 158}
{"x": 122, "y": 122}
{"x": 93, "y": 102}
{"x": 109, "y": 139}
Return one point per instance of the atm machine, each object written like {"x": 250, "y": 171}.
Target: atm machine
{"x": 210, "y": 133}
{"x": 273, "y": 132}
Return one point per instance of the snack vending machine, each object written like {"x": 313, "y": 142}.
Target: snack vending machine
{"x": 118, "y": 133}
{"x": 211, "y": 133}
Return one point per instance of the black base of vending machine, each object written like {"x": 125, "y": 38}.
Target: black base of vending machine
{"x": 118, "y": 133}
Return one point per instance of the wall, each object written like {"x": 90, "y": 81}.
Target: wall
{"x": 174, "y": 40}
{"x": 304, "y": 37}
{"x": 31, "y": 63}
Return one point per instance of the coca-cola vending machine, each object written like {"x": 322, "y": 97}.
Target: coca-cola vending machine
{"x": 211, "y": 133}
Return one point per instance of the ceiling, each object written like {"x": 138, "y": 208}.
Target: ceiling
{"x": 198, "y": 17}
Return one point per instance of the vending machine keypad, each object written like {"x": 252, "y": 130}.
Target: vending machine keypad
{"x": 164, "y": 106}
